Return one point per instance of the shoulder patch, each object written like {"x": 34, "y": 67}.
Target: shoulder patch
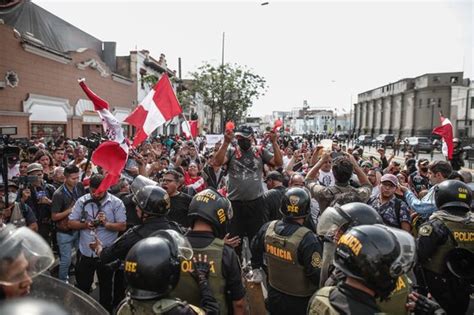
{"x": 316, "y": 260}
{"x": 425, "y": 230}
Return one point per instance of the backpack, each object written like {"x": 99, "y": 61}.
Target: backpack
{"x": 341, "y": 197}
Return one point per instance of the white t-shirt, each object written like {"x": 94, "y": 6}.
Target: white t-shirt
{"x": 326, "y": 178}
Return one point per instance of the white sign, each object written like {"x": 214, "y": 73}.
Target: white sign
{"x": 211, "y": 140}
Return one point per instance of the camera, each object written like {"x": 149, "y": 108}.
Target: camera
{"x": 96, "y": 222}
{"x": 91, "y": 142}
{"x": 25, "y": 181}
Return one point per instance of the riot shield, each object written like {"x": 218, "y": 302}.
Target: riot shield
{"x": 70, "y": 298}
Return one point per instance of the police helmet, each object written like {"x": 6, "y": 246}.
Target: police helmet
{"x": 376, "y": 255}
{"x": 453, "y": 195}
{"x": 295, "y": 203}
{"x": 152, "y": 266}
{"x": 153, "y": 200}
{"x": 338, "y": 219}
{"x": 212, "y": 207}
{"x": 22, "y": 246}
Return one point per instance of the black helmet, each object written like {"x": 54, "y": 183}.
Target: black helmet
{"x": 295, "y": 203}
{"x": 341, "y": 218}
{"x": 375, "y": 255}
{"x": 453, "y": 195}
{"x": 212, "y": 207}
{"x": 152, "y": 265}
{"x": 153, "y": 200}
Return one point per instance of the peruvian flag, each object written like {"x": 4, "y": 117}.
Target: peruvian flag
{"x": 158, "y": 107}
{"x": 111, "y": 155}
{"x": 190, "y": 128}
{"x": 277, "y": 125}
{"x": 446, "y": 132}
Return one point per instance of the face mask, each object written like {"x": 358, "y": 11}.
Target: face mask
{"x": 244, "y": 144}
{"x": 12, "y": 197}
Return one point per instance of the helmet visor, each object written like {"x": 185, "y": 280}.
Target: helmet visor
{"x": 329, "y": 224}
{"x": 139, "y": 182}
{"x": 185, "y": 250}
{"x": 23, "y": 255}
{"x": 407, "y": 258}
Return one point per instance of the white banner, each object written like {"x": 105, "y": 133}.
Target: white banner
{"x": 211, "y": 140}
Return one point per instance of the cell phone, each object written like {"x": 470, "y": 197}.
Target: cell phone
{"x": 40, "y": 195}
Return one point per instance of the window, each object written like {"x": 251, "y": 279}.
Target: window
{"x": 472, "y": 102}
{"x": 439, "y": 102}
{"x": 453, "y": 80}
{"x": 428, "y": 102}
{"x": 436, "y": 79}
{"x": 420, "y": 101}
{"x": 48, "y": 131}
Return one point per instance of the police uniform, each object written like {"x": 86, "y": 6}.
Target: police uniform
{"x": 449, "y": 228}
{"x": 369, "y": 254}
{"x": 293, "y": 264}
{"x": 225, "y": 278}
{"x": 152, "y": 277}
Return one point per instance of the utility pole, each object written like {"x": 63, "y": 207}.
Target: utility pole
{"x": 222, "y": 84}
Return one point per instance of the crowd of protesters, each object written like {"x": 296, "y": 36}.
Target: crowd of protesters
{"x": 51, "y": 182}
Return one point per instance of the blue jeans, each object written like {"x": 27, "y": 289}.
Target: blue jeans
{"x": 66, "y": 242}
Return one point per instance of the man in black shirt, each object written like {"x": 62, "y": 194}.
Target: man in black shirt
{"x": 179, "y": 200}
{"x": 419, "y": 180}
{"x": 64, "y": 199}
{"x": 272, "y": 197}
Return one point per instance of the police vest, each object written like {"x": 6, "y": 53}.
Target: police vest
{"x": 285, "y": 273}
{"x": 142, "y": 307}
{"x": 395, "y": 305}
{"x": 319, "y": 303}
{"x": 462, "y": 236}
{"x": 187, "y": 288}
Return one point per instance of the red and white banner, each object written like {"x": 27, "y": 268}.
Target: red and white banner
{"x": 158, "y": 107}
{"x": 111, "y": 155}
{"x": 446, "y": 132}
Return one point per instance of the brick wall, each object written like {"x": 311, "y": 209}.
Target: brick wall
{"x": 39, "y": 75}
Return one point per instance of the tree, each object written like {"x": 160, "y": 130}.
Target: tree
{"x": 229, "y": 90}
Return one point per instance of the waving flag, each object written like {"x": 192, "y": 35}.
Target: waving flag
{"x": 277, "y": 125}
{"x": 158, "y": 107}
{"x": 446, "y": 132}
{"x": 190, "y": 128}
{"x": 111, "y": 155}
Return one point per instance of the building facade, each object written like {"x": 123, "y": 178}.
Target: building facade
{"x": 39, "y": 92}
{"x": 411, "y": 106}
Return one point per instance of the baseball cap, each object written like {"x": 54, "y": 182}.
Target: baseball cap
{"x": 423, "y": 161}
{"x": 390, "y": 178}
{"x": 274, "y": 175}
{"x": 367, "y": 164}
{"x": 34, "y": 167}
{"x": 244, "y": 131}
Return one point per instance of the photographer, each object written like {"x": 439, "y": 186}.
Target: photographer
{"x": 41, "y": 194}
{"x": 97, "y": 216}
{"x": 64, "y": 199}
{"x": 17, "y": 213}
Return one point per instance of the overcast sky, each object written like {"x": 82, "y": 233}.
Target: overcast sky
{"x": 318, "y": 51}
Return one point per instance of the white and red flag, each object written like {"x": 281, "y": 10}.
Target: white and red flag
{"x": 158, "y": 107}
{"x": 111, "y": 155}
{"x": 190, "y": 128}
{"x": 446, "y": 133}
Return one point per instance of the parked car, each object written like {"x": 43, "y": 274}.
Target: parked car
{"x": 385, "y": 140}
{"x": 364, "y": 140}
{"x": 341, "y": 136}
{"x": 418, "y": 144}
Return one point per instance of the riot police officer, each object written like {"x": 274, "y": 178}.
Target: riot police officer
{"x": 209, "y": 214}
{"x": 372, "y": 258}
{"x": 450, "y": 229}
{"x": 152, "y": 270}
{"x": 152, "y": 206}
{"x": 292, "y": 253}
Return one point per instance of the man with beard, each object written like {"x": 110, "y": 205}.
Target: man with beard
{"x": 245, "y": 168}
